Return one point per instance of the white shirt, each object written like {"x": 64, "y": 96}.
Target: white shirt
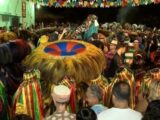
{"x": 119, "y": 114}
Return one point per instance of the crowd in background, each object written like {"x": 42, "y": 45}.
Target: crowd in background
{"x": 132, "y": 72}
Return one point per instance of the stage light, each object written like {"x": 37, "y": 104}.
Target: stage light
{"x": 38, "y": 6}
{"x": 2, "y": 2}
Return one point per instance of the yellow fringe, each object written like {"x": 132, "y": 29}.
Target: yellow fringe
{"x": 84, "y": 66}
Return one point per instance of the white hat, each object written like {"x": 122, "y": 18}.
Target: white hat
{"x": 115, "y": 42}
{"x": 130, "y": 44}
{"x": 136, "y": 41}
{"x": 61, "y": 93}
{"x": 129, "y": 55}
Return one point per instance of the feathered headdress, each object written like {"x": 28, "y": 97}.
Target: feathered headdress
{"x": 78, "y": 60}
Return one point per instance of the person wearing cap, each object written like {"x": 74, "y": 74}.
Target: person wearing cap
{"x": 113, "y": 46}
{"x": 61, "y": 97}
{"x": 128, "y": 58}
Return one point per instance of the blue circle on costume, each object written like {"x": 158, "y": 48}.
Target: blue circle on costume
{"x": 65, "y": 48}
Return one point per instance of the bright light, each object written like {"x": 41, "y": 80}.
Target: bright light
{"x": 2, "y": 2}
{"x": 38, "y": 6}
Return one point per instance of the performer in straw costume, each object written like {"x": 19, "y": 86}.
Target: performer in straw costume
{"x": 76, "y": 60}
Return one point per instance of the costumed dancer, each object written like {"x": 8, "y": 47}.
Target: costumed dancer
{"x": 29, "y": 95}
{"x": 11, "y": 70}
{"x": 4, "y": 108}
{"x": 124, "y": 74}
{"x": 102, "y": 82}
{"x": 152, "y": 75}
{"x": 139, "y": 69}
{"x": 61, "y": 96}
{"x": 93, "y": 27}
{"x": 71, "y": 59}
{"x": 87, "y": 29}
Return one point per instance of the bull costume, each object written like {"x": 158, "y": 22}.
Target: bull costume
{"x": 66, "y": 62}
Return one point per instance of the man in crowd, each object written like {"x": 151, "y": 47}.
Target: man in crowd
{"x": 94, "y": 97}
{"x": 61, "y": 97}
{"x": 120, "y": 100}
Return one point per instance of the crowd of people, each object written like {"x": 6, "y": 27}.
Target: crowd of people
{"x": 127, "y": 87}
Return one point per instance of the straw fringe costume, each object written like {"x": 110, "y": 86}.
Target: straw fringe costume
{"x": 29, "y": 95}
{"x": 127, "y": 75}
{"x": 4, "y": 110}
{"x": 150, "y": 76}
{"x": 11, "y": 72}
{"x": 104, "y": 85}
{"x": 77, "y": 60}
{"x": 153, "y": 74}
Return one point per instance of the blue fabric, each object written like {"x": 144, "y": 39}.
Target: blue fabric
{"x": 92, "y": 29}
{"x": 98, "y": 108}
{"x": 64, "y": 48}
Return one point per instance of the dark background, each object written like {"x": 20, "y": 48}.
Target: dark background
{"x": 148, "y": 15}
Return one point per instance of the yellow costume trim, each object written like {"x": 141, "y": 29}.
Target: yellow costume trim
{"x": 83, "y": 66}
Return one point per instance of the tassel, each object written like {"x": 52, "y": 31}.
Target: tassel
{"x": 73, "y": 99}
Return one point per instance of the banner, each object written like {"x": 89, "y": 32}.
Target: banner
{"x": 23, "y": 9}
{"x": 94, "y": 3}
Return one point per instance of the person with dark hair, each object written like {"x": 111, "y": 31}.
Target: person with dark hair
{"x": 81, "y": 89}
{"x": 22, "y": 117}
{"x": 120, "y": 99}
{"x": 53, "y": 37}
{"x": 157, "y": 59}
{"x": 153, "y": 111}
{"x": 117, "y": 60}
{"x": 98, "y": 44}
{"x": 94, "y": 97}
{"x": 86, "y": 114}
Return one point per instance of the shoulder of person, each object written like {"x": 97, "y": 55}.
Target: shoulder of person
{"x": 49, "y": 117}
{"x": 72, "y": 116}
